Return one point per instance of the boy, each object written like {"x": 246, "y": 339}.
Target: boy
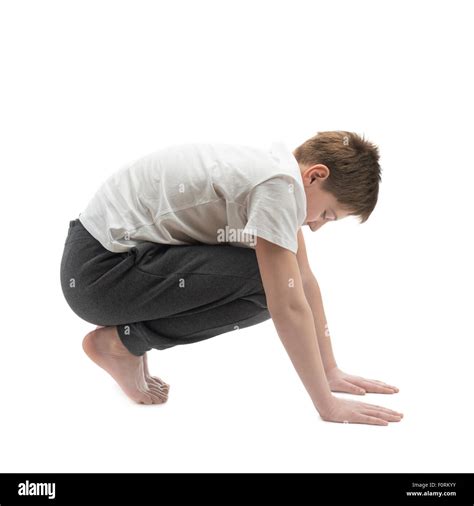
{"x": 195, "y": 240}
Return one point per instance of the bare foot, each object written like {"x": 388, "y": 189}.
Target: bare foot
{"x": 154, "y": 379}
{"x": 104, "y": 347}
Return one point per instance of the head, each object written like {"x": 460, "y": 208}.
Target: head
{"x": 341, "y": 176}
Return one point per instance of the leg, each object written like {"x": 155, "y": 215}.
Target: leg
{"x": 160, "y": 296}
{"x": 193, "y": 293}
{"x": 103, "y": 345}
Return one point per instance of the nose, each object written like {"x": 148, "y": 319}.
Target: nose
{"x": 315, "y": 225}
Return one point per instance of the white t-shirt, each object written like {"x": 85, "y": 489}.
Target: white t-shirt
{"x": 201, "y": 193}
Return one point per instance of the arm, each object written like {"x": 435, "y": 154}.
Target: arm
{"x": 313, "y": 296}
{"x": 292, "y": 317}
{"x": 294, "y": 323}
{"x": 338, "y": 380}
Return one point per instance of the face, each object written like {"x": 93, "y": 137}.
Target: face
{"x": 322, "y": 206}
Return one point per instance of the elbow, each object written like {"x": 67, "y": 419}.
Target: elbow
{"x": 289, "y": 309}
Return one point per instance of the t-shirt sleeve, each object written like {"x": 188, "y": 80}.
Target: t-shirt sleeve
{"x": 274, "y": 213}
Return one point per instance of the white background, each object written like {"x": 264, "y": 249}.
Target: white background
{"x": 87, "y": 86}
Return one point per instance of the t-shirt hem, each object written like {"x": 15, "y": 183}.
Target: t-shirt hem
{"x": 268, "y": 236}
{"x": 89, "y": 226}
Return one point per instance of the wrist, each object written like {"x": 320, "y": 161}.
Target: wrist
{"x": 324, "y": 406}
{"x": 330, "y": 368}
{"x": 323, "y": 398}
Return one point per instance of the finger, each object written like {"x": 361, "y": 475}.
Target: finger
{"x": 381, "y": 408}
{"x": 384, "y": 415}
{"x": 385, "y": 384}
{"x": 371, "y": 420}
{"x": 352, "y": 388}
{"x": 373, "y": 388}
{"x": 360, "y": 378}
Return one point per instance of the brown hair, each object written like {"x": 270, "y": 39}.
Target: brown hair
{"x": 354, "y": 168}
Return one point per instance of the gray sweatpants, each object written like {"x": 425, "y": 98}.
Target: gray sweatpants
{"x": 161, "y": 295}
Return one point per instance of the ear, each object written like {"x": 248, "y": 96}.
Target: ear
{"x": 315, "y": 172}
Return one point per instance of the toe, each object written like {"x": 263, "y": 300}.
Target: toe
{"x": 160, "y": 392}
{"x": 158, "y": 395}
{"x": 159, "y": 380}
{"x": 160, "y": 384}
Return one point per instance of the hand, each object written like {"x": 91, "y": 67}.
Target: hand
{"x": 347, "y": 411}
{"x": 339, "y": 381}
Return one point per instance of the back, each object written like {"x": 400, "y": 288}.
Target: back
{"x": 186, "y": 193}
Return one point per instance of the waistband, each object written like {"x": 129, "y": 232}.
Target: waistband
{"x": 73, "y": 223}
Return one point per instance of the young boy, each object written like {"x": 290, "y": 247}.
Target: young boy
{"x": 195, "y": 240}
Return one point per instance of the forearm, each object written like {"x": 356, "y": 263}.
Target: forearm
{"x": 296, "y": 330}
{"x": 315, "y": 301}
